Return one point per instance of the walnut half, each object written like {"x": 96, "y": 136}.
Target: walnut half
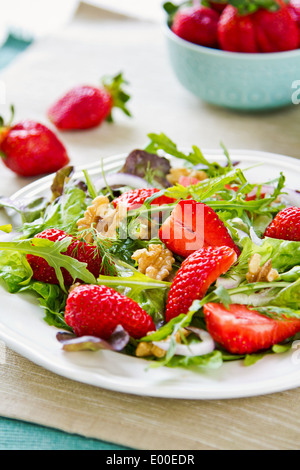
{"x": 155, "y": 262}
{"x": 258, "y": 273}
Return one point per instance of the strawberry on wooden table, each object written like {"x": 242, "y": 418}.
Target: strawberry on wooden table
{"x": 81, "y": 251}
{"x": 194, "y": 277}
{"x": 86, "y": 106}
{"x": 243, "y": 331}
{"x": 286, "y": 225}
{"x": 198, "y": 25}
{"x": 193, "y": 225}
{"x": 29, "y": 149}
{"x": 97, "y": 310}
{"x": 258, "y": 27}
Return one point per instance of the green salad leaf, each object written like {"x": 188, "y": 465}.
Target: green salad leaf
{"x": 195, "y": 157}
{"x": 52, "y": 252}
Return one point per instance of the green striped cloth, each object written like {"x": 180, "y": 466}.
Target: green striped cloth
{"x": 18, "y": 435}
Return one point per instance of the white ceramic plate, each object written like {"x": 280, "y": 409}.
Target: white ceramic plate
{"x": 23, "y": 329}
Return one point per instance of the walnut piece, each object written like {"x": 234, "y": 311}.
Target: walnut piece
{"x": 101, "y": 216}
{"x": 145, "y": 349}
{"x": 258, "y": 273}
{"x": 175, "y": 174}
{"x": 156, "y": 262}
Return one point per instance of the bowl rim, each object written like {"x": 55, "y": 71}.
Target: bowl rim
{"x": 231, "y": 55}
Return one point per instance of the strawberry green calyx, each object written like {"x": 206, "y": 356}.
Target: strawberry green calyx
{"x": 246, "y": 7}
{"x": 113, "y": 86}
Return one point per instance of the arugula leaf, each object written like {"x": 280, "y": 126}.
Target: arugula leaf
{"x": 52, "y": 252}
{"x": 195, "y": 157}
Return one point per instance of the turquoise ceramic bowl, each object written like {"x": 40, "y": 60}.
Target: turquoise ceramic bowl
{"x": 236, "y": 80}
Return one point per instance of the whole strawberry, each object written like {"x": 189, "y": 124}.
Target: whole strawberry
{"x": 31, "y": 149}
{"x": 198, "y": 25}
{"x": 193, "y": 225}
{"x": 97, "y": 310}
{"x": 243, "y": 331}
{"x": 195, "y": 275}
{"x": 286, "y": 225}
{"x": 81, "y": 251}
{"x": 265, "y": 30}
{"x": 85, "y": 106}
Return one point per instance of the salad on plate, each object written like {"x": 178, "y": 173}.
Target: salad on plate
{"x": 174, "y": 259}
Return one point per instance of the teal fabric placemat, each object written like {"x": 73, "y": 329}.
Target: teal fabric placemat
{"x": 11, "y": 49}
{"x": 18, "y": 435}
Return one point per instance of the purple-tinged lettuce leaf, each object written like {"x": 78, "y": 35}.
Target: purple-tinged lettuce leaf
{"x": 117, "y": 342}
{"x": 61, "y": 177}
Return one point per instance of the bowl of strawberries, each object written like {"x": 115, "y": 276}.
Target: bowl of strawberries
{"x": 238, "y": 54}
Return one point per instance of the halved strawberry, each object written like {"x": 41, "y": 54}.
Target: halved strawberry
{"x": 97, "y": 310}
{"x": 81, "y": 251}
{"x": 243, "y": 331}
{"x": 286, "y": 225}
{"x": 136, "y": 198}
{"x": 196, "y": 274}
{"x": 193, "y": 225}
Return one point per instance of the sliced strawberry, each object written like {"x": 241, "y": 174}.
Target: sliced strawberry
{"x": 81, "y": 251}
{"x": 97, "y": 310}
{"x": 196, "y": 274}
{"x": 286, "y": 225}
{"x": 135, "y": 198}
{"x": 193, "y": 225}
{"x": 243, "y": 331}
